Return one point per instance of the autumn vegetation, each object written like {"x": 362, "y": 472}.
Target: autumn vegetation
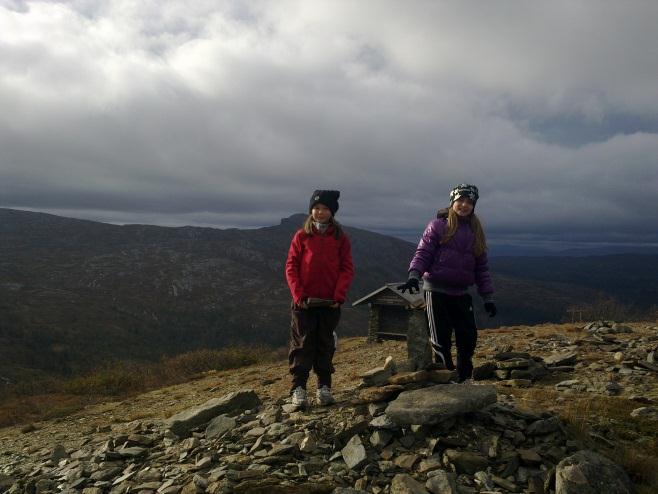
{"x": 56, "y": 397}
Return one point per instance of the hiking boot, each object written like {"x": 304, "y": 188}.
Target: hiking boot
{"x": 299, "y": 397}
{"x": 324, "y": 396}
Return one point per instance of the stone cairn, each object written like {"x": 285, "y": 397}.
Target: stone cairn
{"x": 398, "y": 432}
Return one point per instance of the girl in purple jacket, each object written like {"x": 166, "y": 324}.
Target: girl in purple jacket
{"x": 450, "y": 257}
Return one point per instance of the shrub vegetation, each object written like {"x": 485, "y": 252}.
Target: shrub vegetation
{"x": 51, "y": 398}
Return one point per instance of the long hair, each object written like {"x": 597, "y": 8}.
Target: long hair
{"x": 453, "y": 222}
{"x": 308, "y": 226}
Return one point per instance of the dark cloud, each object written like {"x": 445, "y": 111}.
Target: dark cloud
{"x": 231, "y": 114}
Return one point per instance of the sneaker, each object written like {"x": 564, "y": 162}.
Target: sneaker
{"x": 299, "y": 397}
{"x": 467, "y": 381}
{"x": 324, "y": 396}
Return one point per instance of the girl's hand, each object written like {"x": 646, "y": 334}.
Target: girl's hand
{"x": 335, "y": 305}
{"x": 490, "y": 308}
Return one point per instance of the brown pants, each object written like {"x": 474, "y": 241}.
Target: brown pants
{"x": 312, "y": 344}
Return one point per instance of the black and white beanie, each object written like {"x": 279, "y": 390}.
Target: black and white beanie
{"x": 464, "y": 190}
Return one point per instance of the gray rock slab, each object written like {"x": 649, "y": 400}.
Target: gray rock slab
{"x": 406, "y": 484}
{"x": 377, "y": 377}
{"x": 59, "y": 453}
{"x": 219, "y": 425}
{"x": 543, "y": 427}
{"x": 587, "y": 472}
{"x": 182, "y": 423}
{"x": 354, "y": 453}
{"x": 564, "y": 358}
{"x": 436, "y": 403}
{"x": 380, "y": 438}
{"x": 484, "y": 371}
{"x": 650, "y": 413}
{"x": 442, "y": 482}
{"x": 466, "y": 461}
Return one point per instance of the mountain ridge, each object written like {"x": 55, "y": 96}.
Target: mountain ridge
{"x": 77, "y": 293}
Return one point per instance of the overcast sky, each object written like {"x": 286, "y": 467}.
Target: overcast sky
{"x": 230, "y": 113}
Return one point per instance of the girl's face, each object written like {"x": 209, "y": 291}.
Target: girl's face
{"x": 321, "y": 213}
{"x": 463, "y": 206}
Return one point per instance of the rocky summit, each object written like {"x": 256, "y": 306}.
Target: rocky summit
{"x": 407, "y": 432}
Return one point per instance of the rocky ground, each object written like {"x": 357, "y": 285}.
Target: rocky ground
{"x": 547, "y": 400}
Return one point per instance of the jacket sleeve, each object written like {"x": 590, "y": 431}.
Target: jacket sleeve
{"x": 483, "y": 277}
{"x": 427, "y": 247}
{"x": 293, "y": 264}
{"x": 346, "y": 270}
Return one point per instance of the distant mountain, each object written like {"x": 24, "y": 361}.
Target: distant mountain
{"x": 632, "y": 279}
{"x": 498, "y": 250}
{"x": 76, "y": 293}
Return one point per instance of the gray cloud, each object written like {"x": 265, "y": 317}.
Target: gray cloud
{"x": 230, "y": 114}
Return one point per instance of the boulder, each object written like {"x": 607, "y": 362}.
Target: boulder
{"x": 587, "y": 472}
{"x": 436, "y": 403}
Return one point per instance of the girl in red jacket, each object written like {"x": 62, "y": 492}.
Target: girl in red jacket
{"x": 319, "y": 271}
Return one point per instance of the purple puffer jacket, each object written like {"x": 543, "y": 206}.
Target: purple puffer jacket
{"x": 452, "y": 267}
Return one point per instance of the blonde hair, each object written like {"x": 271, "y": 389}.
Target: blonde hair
{"x": 308, "y": 226}
{"x": 453, "y": 222}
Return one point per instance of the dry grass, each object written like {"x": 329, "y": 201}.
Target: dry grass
{"x": 589, "y": 417}
{"x": 39, "y": 407}
{"x": 122, "y": 379}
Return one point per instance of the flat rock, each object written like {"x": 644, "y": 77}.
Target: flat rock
{"x": 182, "y": 423}
{"x": 381, "y": 393}
{"x": 441, "y": 376}
{"x": 354, "y": 453}
{"x": 219, "y": 425}
{"x": 436, "y": 403}
{"x": 377, "y": 377}
{"x": 513, "y": 364}
{"x": 558, "y": 359}
{"x": 409, "y": 377}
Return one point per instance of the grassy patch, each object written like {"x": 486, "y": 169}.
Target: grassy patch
{"x": 630, "y": 442}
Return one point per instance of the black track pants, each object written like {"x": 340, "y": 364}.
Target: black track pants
{"x": 312, "y": 344}
{"x": 446, "y": 313}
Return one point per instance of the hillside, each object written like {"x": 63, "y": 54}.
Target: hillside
{"x": 76, "y": 293}
{"x": 518, "y": 444}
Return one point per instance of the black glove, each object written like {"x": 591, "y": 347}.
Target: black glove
{"x": 490, "y": 308}
{"x": 411, "y": 284}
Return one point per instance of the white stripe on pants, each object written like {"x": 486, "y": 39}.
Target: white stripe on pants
{"x": 437, "y": 349}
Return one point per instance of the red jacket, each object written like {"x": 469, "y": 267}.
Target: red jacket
{"x": 319, "y": 265}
